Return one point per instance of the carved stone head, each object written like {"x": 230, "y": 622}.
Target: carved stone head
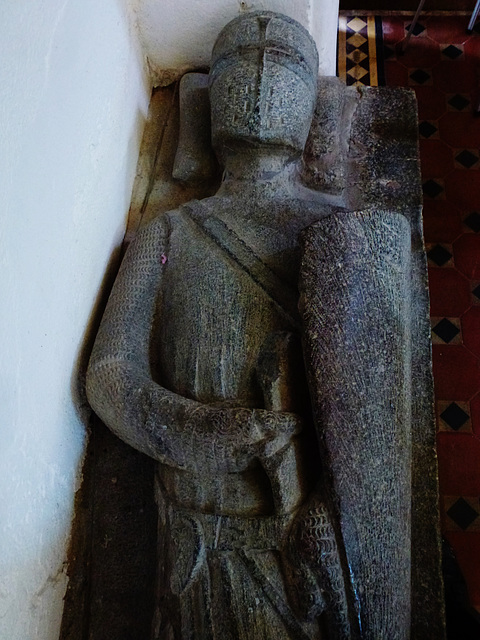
{"x": 263, "y": 82}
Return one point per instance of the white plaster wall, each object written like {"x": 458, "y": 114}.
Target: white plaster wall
{"x": 324, "y": 27}
{"x": 178, "y": 35}
{"x": 72, "y": 104}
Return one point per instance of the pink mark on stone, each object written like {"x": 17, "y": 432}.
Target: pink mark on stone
{"x": 163, "y": 259}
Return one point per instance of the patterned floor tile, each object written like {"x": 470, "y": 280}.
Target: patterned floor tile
{"x": 472, "y": 222}
{"x": 439, "y": 255}
{"x": 428, "y": 129}
{"x": 463, "y": 513}
{"x": 446, "y": 330}
{"x": 453, "y": 416}
{"x": 442, "y": 65}
{"x": 475, "y": 286}
{"x": 357, "y": 46}
{"x": 458, "y": 102}
{"x": 466, "y": 158}
{"x": 418, "y": 28}
{"x": 451, "y": 51}
{"x": 434, "y": 188}
{"x": 420, "y": 76}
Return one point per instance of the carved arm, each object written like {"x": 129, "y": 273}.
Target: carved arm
{"x": 164, "y": 425}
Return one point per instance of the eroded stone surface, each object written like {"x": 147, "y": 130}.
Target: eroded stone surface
{"x": 273, "y": 522}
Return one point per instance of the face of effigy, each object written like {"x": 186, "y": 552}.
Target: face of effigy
{"x": 263, "y": 84}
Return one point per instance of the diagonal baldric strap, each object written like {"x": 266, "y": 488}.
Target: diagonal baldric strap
{"x": 283, "y": 295}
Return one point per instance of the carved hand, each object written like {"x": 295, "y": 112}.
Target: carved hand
{"x": 235, "y": 436}
{"x": 218, "y": 437}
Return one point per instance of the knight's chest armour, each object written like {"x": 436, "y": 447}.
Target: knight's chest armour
{"x": 217, "y": 308}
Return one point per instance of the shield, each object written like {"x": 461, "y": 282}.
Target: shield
{"x": 355, "y": 302}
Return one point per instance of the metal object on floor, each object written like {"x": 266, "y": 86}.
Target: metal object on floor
{"x": 474, "y": 17}
{"x": 471, "y": 24}
{"x": 414, "y": 24}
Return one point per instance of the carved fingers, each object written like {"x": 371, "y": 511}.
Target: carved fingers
{"x": 207, "y": 437}
{"x": 229, "y": 439}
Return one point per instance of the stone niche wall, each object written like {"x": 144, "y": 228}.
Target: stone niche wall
{"x": 73, "y": 98}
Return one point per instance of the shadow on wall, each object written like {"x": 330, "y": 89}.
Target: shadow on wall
{"x": 112, "y": 556}
{"x": 112, "y": 550}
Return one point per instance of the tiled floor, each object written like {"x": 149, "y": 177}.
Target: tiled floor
{"x": 442, "y": 66}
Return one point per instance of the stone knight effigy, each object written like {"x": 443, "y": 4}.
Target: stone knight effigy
{"x": 269, "y": 347}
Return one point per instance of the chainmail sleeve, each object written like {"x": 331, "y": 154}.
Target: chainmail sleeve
{"x": 120, "y": 387}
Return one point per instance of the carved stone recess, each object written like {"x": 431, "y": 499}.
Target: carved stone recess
{"x": 286, "y": 509}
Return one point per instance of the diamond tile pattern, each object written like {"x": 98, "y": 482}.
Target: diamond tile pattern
{"x": 357, "y": 68}
{"x": 432, "y": 188}
{"x": 439, "y": 255}
{"x": 446, "y": 330}
{"x": 459, "y": 102}
{"x": 454, "y": 416}
{"x": 452, "y": 52}
{"x": 420, "y": 76}
{"x": 427, "y": 129}
{"x": 473, "y": 221}
{"x": 462, "y": 513}
{"x": 417, "y": 30}
{"x": 467, "y": 158}
{"x": 441, "y": 64}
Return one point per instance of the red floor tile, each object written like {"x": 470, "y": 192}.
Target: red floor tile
{"x": 451, "y": 30}
{"x": 436, "y": 159}
{"x": 467, "y": 255}
{"x": 454, "y": 76}
{"x": 460, "y": 129}
{"x": 463, "y": 188}
{"x": 421, "y": 52}
{"x": 449, "y": 292}
{"x": 442, "y": 221}
{"x": 456, "y": 373}
{"x": 458, "y": 456}
{"x": 431, "y": 103}
{"x": 471, "y": 330}
{"x": 472, "y": 49}
{"x": 393, "y": 30}
{"x": 475, "y": 414}
{"x": 396, "y": 74}
{"x": 415, "y": 81}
